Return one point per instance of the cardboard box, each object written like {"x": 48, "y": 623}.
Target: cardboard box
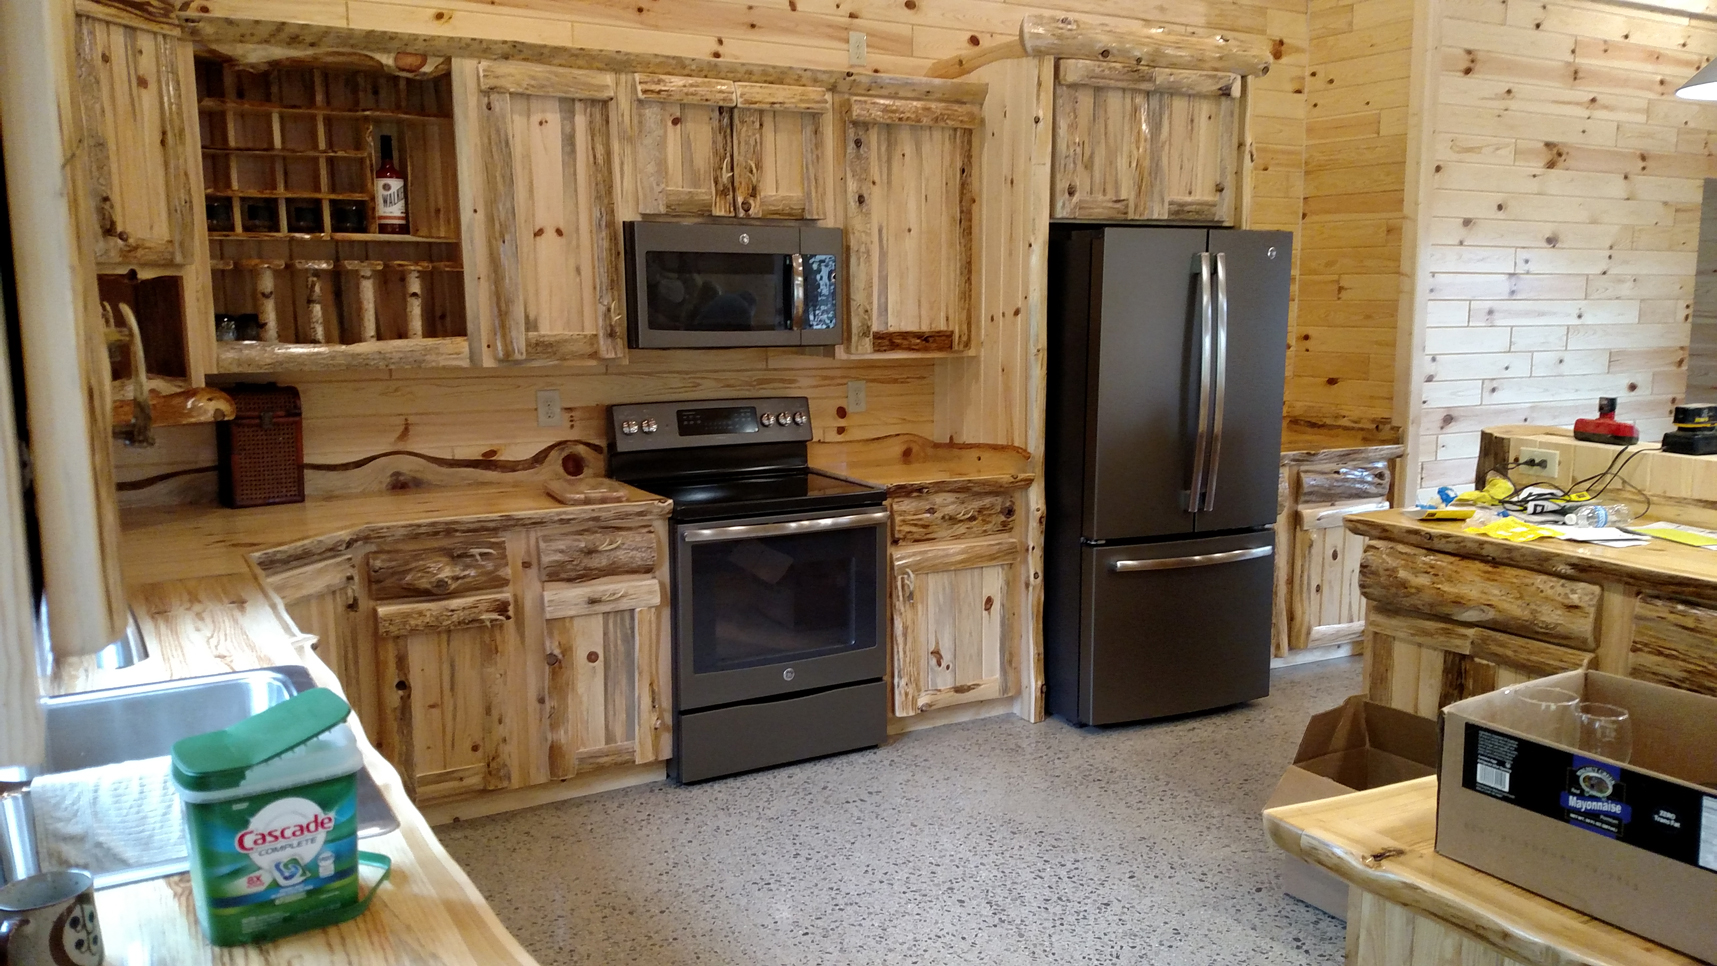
{"x": 1350, "y": 748}
{"x": 1634, "y": 845}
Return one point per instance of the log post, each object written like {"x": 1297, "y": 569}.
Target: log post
{"x": 366, "y": 296}
{"x": 267, "y": 314}
{"x": 313, "y": 297}
{"x": 414, "y": 296}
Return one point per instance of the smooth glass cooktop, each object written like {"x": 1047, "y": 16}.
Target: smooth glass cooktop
{"x": 706, "y": 498}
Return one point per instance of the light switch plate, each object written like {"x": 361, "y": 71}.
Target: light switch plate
{"x": 1530, "y": 458}
{"x": 548, "y": 408}
{"x": 855, "y": 396}
{"x": 855, "y": 48}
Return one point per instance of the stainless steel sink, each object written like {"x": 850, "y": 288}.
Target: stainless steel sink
{"x": 97, "y": 728}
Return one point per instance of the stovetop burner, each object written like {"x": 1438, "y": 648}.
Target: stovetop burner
{"x": 727, "y": 458}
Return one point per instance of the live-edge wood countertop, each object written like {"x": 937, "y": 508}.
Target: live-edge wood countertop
{"x": 427, "y": 914}
{"x": 183, "y": 542}
{"x": 910, "y": 465}
{"x": 1383, "y": 841}
{"x": 1659, "y": 566}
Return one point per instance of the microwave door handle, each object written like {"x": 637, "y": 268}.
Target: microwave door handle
{"x": 1221, "y": 392}
{"x": 1201, "y": 445}
{"x": 798, "y": 262}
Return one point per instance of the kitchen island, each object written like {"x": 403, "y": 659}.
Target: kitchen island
{"x": 1454, "y": 614}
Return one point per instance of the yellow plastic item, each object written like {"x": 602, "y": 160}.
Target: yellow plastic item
{"x": 1495, "y": 491}
{"x": 1513, "y": 530}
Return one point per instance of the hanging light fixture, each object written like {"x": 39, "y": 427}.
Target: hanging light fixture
{"x": 1701, "y": 86}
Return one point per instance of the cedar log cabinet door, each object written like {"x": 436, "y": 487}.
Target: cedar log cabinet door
{"x": 552, "y": 246}
{"x": 132, "y": 97}
{"x": 717, "y": 147}
{"x": 953, "y": 622}
{"x": 910, "y": 205}
{"x": 322, "y": 600}
{"x": 1144, "y": 143}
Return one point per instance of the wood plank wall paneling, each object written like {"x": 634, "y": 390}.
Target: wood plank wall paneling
{"x": 1702, "y": 340}
{"x": 1342, "y": 345}
{"x": 493, "y": 412}
{"x": 1563, "y": 220}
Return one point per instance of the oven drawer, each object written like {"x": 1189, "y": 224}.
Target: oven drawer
{"x": 726, "y": 741}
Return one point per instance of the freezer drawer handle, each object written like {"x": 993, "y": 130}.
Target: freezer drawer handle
{"x": 753, "y": 531}
{"x": 1196, "y": 560}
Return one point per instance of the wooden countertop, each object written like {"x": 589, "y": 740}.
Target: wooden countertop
{"x": 188, "y": 541}
{"x": 908, "y": 464}
{"x": 1659, "y": 566}
{"x": 1306, "y": 442}
{"x": 1383, "y": 841}
{"x": 428, "y": 913}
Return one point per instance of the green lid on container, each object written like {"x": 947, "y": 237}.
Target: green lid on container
{"x": 219, "y": 759}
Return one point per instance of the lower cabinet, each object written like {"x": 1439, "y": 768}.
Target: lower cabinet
{"x": 958, "y": 562}
{"x": 1318, "y": 603}
{"x": 474, "y": 674}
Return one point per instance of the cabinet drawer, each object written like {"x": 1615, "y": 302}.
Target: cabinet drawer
{"x": 952, "y": 516}
{"x": 459, "y": 568}
{"x": 588, "y": 554}
{"x": 1674, "y": 643}
{"x": 1509, "y": 599}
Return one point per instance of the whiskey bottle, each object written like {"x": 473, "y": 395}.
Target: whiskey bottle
{"x": 390, "y": 194}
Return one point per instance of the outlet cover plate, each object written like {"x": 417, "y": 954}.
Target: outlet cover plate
{"x": 855, "y": 396}
{"x": 548, "y": 408}
{"x": 855, "y": 48}
{"x": 1552, "y": 462}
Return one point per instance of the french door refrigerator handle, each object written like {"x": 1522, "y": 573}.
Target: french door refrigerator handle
{"x": 1196, "y": 560}
{"x": 1201, "y": 447}
{"x": 752, "y": 531}
{"x": 1221, "y": 380}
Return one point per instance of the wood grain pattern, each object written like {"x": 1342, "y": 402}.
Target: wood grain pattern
{"x": 588, "y": 554}
{"x": 1674, "y": 643}
{"x": 1521, "y": 602}
{"x": 520, "y": 78}
{"x": 477, "y": 610}
{"x": 1382, "y": 842}
{"x": 951, "y": 516}
{"x": 1092, "y": 73}
{"x": 603, "y": 594}
{"x": 455, "y": 568}
{"x": 1336, "y": 484}
{"x": 1049, "y": 35}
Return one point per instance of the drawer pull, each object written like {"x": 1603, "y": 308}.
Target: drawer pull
{"x": 1196, "y": 560}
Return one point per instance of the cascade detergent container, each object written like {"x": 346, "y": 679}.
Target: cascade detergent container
{"x": 271, "y": 821}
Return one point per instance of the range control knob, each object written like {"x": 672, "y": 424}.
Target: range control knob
{"x": 649, "y": 426}
{"x": 629, "y": 427}
{"x": 785, "y": 419}
{"x": 800, "y": 418}
{"x": 767, "y": 419}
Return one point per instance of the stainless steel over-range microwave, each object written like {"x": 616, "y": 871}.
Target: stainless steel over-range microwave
{"x": 699, "y": 286}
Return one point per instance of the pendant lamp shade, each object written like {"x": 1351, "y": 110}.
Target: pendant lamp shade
{"x": 1701, "y": 86}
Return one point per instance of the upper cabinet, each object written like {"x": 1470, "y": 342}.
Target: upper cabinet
{"x": 1145, "y": 143}
{"x": 910, "y": 210}
{"x": 714, "y": 147}
{"x": 550, "y": 251}
{"x": 131, "y": 94}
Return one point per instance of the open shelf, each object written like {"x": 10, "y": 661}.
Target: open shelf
{"x": 301, "y": 277}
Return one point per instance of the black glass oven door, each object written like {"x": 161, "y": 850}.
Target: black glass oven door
{"x": 777, "y": 605}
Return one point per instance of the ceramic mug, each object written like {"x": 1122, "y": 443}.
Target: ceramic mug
{"x": 49, "y": 919}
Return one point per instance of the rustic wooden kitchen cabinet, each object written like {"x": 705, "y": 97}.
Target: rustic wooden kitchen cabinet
{"x": 910, "y": 210}
{"x": 957, "y": 557}
{"x": 1134, "y": 143}
{"x": 551, "y": 246}
{"x": 711, "y": 146}
{"x": 496, "y": 660}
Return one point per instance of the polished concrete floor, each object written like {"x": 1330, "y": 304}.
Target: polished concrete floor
{"x": 993, "y": 841}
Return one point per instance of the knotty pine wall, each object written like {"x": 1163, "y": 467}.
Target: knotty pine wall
{"x": 492, "y": 413}
{"x": 1342, "y": 358}
{"x": 1561, "y": 216}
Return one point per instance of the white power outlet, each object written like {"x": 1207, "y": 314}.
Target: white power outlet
{"x": 1540, "y": 462}
{"x": 855, "y": 48}
{"x": 548, "y": 408}
{"x": 855, "y": 395}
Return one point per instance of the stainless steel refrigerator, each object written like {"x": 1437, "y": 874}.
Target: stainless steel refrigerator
{"x": 1167, "y": 350}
